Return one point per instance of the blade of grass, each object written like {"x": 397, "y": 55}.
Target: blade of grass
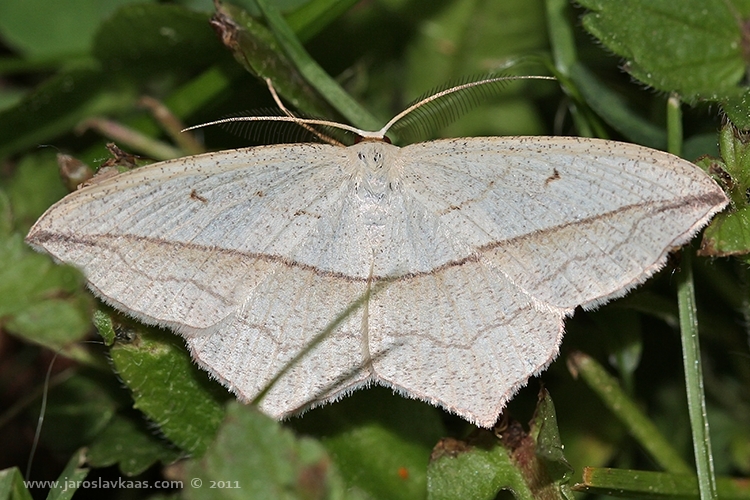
{"x": 650, "y": 484}
{"x": 562, "y": 38}
{"x": 313, "y": 16}
{"x": 625, "y": 409}
{"x": 564, "y": 56}
{"x": 361, "y": 301}
{"x": 689, "y": 337}
{"x": 614, "y": 110}
{"x": 313, "y": 73}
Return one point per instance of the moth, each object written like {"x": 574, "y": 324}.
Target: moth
{"x": 468, "y": 255}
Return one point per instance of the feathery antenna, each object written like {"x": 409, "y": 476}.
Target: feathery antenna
{"x": 418, "y": 116}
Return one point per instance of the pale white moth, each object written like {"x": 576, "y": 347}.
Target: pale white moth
{"x": 485, "y": 246}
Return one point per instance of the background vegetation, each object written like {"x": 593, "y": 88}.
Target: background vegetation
{"x": 125, "y": 402}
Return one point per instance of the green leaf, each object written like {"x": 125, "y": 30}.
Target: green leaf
{"x": 372, "y": 438}
{"x": 68, "y": 481}
{"x": 171, "y": 40}
{"x": 254, "y": 456}
{"x": 44, "y": 29}
{"x": 478, "y": 469}
{"x": 549, "y": 447}
{"x": 729, "y": 232}
{"x": 12, "y": 486}
{"x": 170, "y": 389}
{"x": 39, "y": 300}
{"x": 104, "y": 324}
{"x": 694, "y": 47}
{"x": 53, "y": 323}
{"x": 131, "y": 443}
{"x": 35, "y": 185}
{"x": 736, "y": 105}
{"x": 532, "y": 465}
{"x": 467, "y": 37}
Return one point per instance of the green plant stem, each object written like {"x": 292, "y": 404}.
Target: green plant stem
{"x": 133, "y": 139}
{"x": 694, "y": 379}
{"x": 689, "y": 337}
{"x": 674, "y": 125}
